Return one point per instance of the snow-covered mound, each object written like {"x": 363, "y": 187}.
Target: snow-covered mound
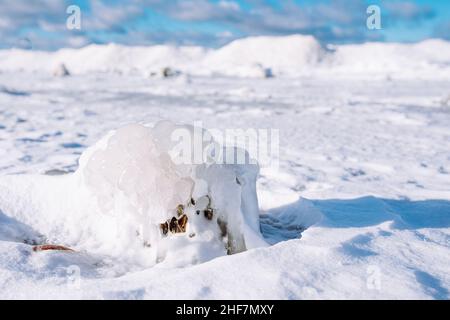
{"x": 291, "y": 55}
{"x": 133, "y": 199}
{"x": 261, "y": 57}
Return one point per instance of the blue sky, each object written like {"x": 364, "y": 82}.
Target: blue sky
{"x": 41, "y": 24}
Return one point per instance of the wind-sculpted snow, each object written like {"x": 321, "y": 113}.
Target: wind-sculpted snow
{"x": 255, "y": 57}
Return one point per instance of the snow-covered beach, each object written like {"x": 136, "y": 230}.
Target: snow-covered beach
{"x": 359, "y": 206}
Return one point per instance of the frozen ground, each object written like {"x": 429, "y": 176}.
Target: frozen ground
{"x": 366, "y": 162}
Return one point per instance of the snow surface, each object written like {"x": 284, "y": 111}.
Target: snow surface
{"x": 359, "y": 207}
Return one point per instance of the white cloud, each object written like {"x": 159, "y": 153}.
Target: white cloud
{"x": 338, "y": 20}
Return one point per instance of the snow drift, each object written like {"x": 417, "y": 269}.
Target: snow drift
{"x": 263, "y": 56}
{"x": 132, "y": 200}
{"x": 291, "y": 55}
{"x": 427, "y": 58}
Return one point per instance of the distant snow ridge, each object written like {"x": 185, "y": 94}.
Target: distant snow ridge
{"x": 427, "y": 58}
{"x": 264, "y": 56}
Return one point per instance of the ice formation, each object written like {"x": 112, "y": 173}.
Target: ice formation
{"x": 133, "y": 200}
{"x": 208, "y": 208}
